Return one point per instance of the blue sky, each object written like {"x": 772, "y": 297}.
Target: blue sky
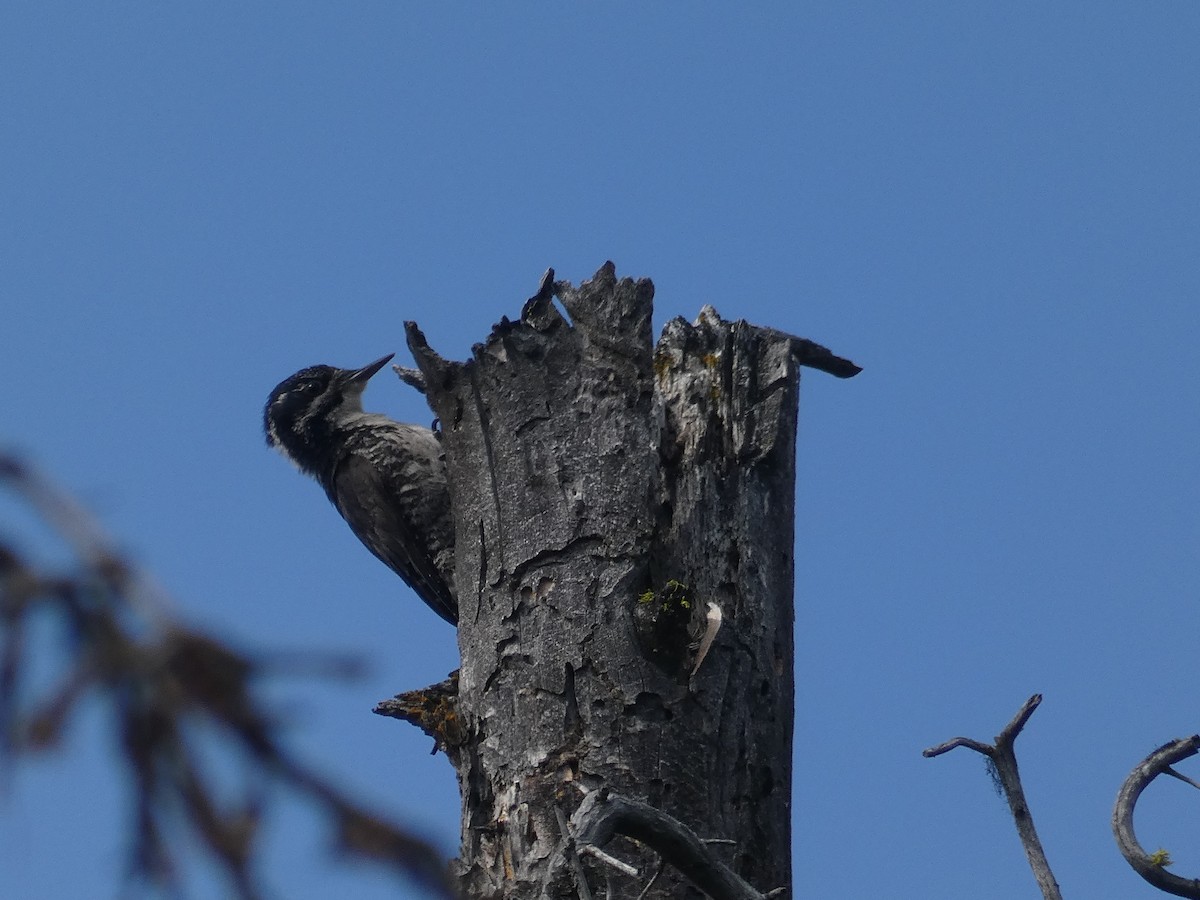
{"x": 993, "y": 208}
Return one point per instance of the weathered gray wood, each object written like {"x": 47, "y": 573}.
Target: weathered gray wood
{"x": 1145, "y": 864}
{"x": 1002, "y": 757}
{"x": 590, "y": 470}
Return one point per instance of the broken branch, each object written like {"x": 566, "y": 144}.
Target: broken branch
{"x": 1004, "y": 758}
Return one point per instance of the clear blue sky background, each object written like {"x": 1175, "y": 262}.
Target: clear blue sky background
{"x": 993, "y": 208}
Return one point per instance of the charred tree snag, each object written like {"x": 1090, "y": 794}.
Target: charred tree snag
{"x": 624, "y": 524}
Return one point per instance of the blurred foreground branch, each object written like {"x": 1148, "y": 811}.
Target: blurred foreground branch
{"x": 165, "y": 687}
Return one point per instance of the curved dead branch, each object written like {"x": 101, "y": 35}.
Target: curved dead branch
{"x": 1150, "y": 867}
{"x": 602, "y": 815}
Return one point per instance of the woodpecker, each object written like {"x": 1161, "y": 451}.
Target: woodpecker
{"x": 386, "y": 478}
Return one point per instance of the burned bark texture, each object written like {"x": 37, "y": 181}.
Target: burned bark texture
{"x": 607, "y": 493}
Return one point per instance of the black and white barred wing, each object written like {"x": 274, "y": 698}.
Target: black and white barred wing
{"x": 399, "y": 540}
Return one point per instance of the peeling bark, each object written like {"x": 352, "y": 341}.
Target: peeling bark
{"x": 590, "y": 470}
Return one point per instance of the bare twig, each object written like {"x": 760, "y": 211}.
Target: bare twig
{"x": 1157, "y": 763}
{"x": 623, "y": 867}
{"x": 1003, "y": 756}
{"x": 662, "y": 867}
{"x": 581, "y": 884}
{"x": 1183, "y": 778}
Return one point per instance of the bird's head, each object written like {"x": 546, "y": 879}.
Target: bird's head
{"x": 304, "y": 411}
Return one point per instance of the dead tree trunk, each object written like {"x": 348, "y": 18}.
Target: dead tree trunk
{"x": 617, "y": 505}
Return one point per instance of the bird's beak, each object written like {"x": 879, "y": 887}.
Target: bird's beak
{"x": 363, "y": 375}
